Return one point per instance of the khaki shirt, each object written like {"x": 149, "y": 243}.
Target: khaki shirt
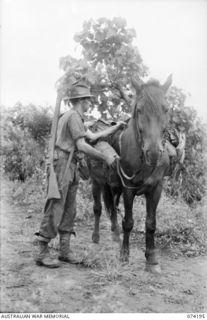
{"x": 70, "y": 129}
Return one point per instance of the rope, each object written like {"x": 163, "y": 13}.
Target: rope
{"x": 119, "y": 169}
{"x": 125, "y": 175}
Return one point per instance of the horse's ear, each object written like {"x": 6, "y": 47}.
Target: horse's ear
{"x": 167, "y": 83}
{"x": 137, "y": 83}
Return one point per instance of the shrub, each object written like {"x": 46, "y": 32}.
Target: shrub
{"x": 35, "y": 119}
{"x": 25, "y": 136}
{"x": 191, "y": 182}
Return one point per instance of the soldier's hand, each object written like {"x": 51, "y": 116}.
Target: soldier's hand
{"x": 110, "y": 160}
{"x": 121, "y": 124}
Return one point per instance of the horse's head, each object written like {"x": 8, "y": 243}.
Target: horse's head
{"x": 150, "y": 116}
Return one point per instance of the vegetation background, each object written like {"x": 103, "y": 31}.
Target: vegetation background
{"x": 109, "y": 61}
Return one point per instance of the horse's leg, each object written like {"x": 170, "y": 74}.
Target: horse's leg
{"x": 151, "y": 254}
{"x": 97, "y": 207}
{"x": 111, "y": 201}
{"x": 114, "y": 221}
{"x": 127, "y": 223}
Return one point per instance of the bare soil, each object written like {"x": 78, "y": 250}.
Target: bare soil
{"x": 103, "y": 284}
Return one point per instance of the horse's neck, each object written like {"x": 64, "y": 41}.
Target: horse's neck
{"x": 130, "y": 149}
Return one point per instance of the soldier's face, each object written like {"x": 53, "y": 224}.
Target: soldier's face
{"x": 86, "y": 104}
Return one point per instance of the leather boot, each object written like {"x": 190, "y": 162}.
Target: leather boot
{"x": 66, "y": 254}
{"x": 43, "y": 258}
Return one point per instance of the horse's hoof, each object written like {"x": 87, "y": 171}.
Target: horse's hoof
{"x": 95, "y": 238}
{"x": 116, "y": 237}
{"x": 153, "y": 268}
{"x": 124, "y": 257}
{"x": 124, "y": 261}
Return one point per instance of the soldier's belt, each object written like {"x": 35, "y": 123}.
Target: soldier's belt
{"x": 59, "y": 153}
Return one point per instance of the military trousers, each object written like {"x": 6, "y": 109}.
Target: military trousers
{"x": 59, "y": 214}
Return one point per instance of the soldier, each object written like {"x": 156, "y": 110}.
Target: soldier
{"x": 59, "y": 214}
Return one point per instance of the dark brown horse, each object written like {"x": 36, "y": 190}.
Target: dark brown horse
{"x": 143, "y": 163}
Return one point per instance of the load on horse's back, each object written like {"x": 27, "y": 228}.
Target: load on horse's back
{"x": 145, "y": 152}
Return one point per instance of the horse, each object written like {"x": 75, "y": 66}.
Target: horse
{"x": 140, "y": 169}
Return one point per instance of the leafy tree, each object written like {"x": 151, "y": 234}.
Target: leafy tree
{"x": 109, "y": 60}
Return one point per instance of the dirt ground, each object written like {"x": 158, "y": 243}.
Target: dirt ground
{"x": 104, "y": 285}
